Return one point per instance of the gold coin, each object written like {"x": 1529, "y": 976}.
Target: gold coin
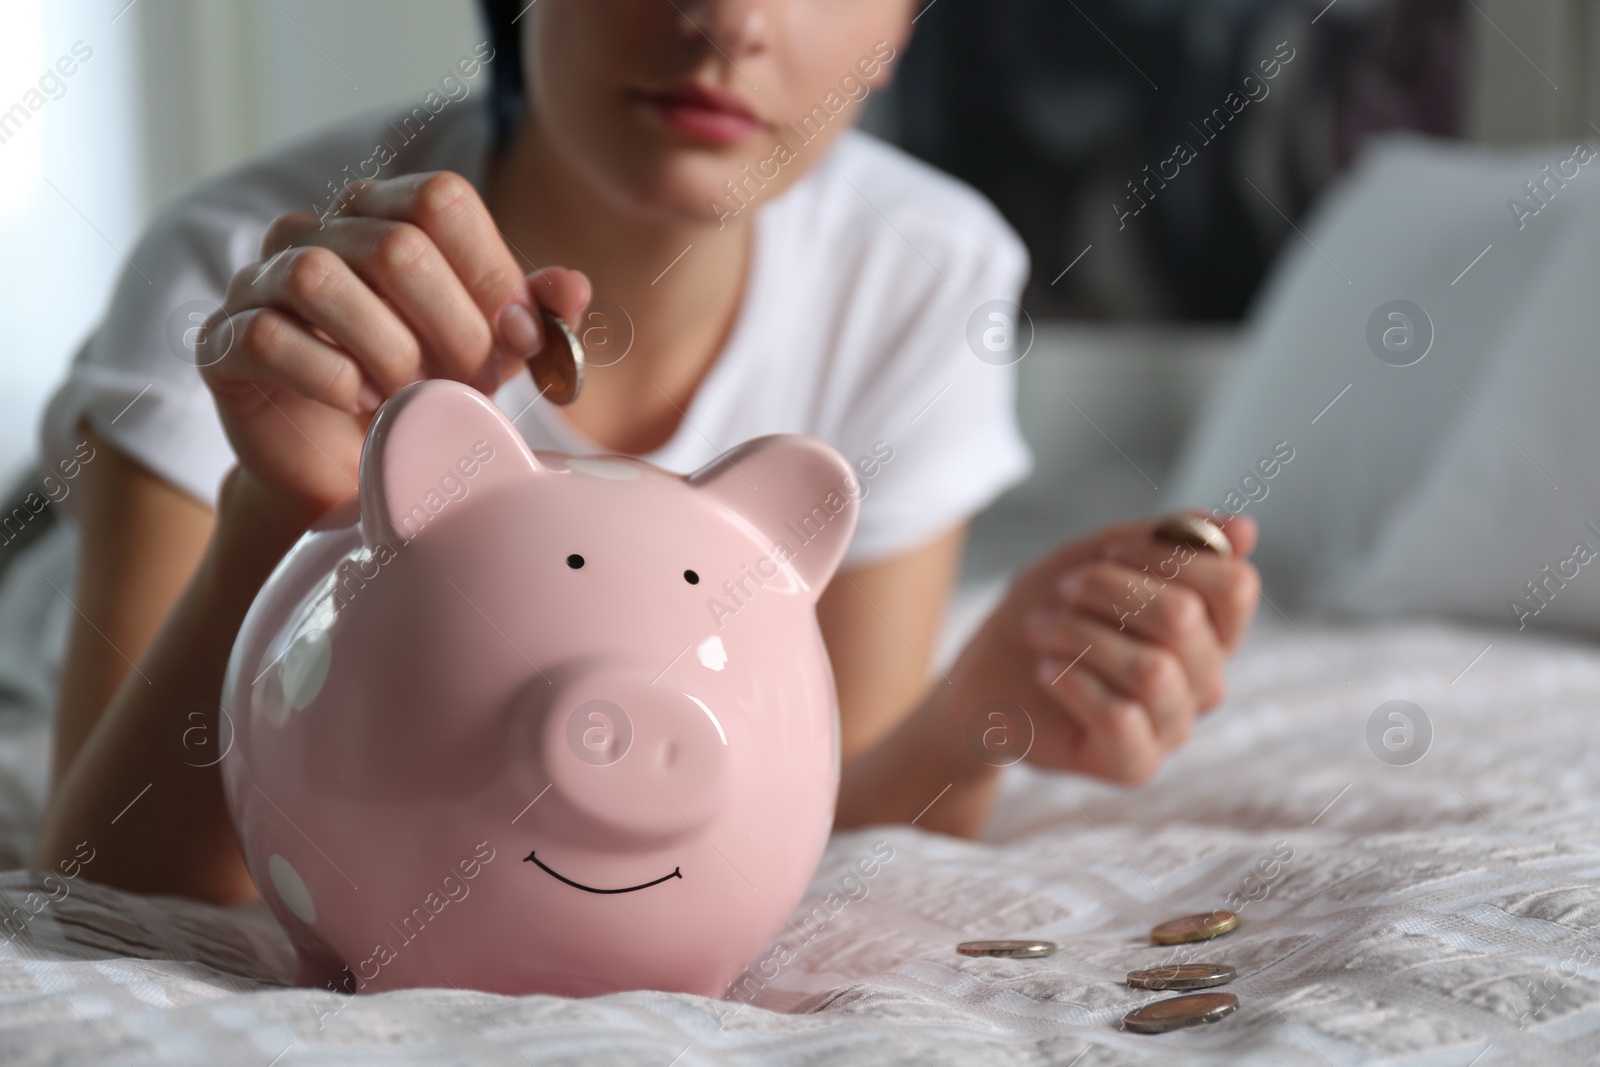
{"x": 1008, "y": 949}
{"x": 558, "y": 367}
{"x": 1178, "y": 1012}
{"x": 1182, "y": 976}
{"x": 1198, "y": 533}
{"x": 1195, "y": 928}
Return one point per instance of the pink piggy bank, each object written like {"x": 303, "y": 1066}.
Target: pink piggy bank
{"x": 541, "y": 723}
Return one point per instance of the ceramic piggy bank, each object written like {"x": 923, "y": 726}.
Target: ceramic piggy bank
{"x": 525, "y": 722}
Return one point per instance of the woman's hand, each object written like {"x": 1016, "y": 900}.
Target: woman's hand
{"x": 1114, "y": 646}
{"x": 408, "y": 279}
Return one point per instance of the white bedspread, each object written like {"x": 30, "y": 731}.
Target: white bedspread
{"x": 1440, "y": 913}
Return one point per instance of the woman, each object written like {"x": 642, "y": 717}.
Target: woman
{"x": 781, "y": 273}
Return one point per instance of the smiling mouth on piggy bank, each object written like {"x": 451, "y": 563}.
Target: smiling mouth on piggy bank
{"x": 677, "y": 872}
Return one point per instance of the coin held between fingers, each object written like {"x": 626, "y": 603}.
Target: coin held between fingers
{"x": 1195, "y": 532}
{"x": 557, "y": 369}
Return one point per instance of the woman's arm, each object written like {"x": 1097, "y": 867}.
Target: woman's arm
{"x": 139, "y": 542}
{"x": 159, "y": 823}
{"x": 881, "y": 624}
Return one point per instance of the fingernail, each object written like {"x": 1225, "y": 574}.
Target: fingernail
{"x": 519, "y": 333}
{"x": 368, "y": 399}
{"x": 1069, "y": 585}
{"x": 1048, "y": 671}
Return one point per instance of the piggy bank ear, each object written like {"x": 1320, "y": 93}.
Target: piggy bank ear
{"x": 432, "y": 445}
{"x": 798, "y": 492}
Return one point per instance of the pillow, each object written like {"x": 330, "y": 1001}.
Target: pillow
{"x": 1506, "y": 527}
{"x": 1364, "y": 452}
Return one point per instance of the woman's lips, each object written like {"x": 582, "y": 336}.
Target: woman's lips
{"x": 714, "y": 116}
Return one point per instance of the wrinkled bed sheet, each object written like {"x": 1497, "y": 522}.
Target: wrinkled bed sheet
{"x": 1444, "y": 912}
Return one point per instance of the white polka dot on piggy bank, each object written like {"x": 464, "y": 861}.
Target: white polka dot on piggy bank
{"x": 439, "y": 815}
{"x": 305, "y": 668}
{"x": 291, "y": 888}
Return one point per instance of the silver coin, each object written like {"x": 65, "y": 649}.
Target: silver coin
{"x": 558, "y": 368}
{"x": 1182, "y": 976}
{"x": 1195, "y": 532}
{"x": 1008, "y": 949}
{"x": 1178, "y": 1012}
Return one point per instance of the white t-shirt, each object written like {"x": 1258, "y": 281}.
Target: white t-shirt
{"x": 852, "y": 328}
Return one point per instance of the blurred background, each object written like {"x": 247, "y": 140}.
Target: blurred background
{"x": 1058, "y": 111}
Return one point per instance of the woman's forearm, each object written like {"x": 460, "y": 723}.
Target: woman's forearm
{"x": 924, "y": 772}
{"x": 141, "y": 539}
{"x": 156, "y": 821}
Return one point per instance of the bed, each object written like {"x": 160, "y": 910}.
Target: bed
{"x": 1444, "y": 911}
{"x": 1422, "y": 890}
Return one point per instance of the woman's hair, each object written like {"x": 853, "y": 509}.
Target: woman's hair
{"x": 505, "y": 72}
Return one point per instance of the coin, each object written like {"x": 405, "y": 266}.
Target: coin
{"x": 558, "y": 368}
{"x": 1199, "y": 533}
{"x": 1008, "y": 949}
{"x": 1182, "y": 976}
{"x": 1178, "y": 1012}
{"x": 1195, "y": 928}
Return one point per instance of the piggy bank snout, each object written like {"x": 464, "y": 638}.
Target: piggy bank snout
{"x": 625, "y": 757}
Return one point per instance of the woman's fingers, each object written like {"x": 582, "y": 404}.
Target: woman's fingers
{"x": 559, "y": 290}
{"x": 283, "y": 352}
{"x": 427, "y": 246}
{"x": 1242, "y": 532}
{"x": 316, "y": 285}
{"x": 1230, "y": 587}
{"x": 1170, "y": 614}
{"x": 1147, "y": 674}
{"x": 410, "y": 279}
{"x": 400, "y": 263}
{"x": 449, "y": 211}
{"x": 563, "y": 291}
{"x": 1112, "y": 736}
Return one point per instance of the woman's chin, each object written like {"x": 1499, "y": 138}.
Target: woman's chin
{"x": 689, "y": 195}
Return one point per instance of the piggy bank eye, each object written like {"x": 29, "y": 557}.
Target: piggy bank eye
{"x": 574, "y": 561}
{"x": 691, "y": 577}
